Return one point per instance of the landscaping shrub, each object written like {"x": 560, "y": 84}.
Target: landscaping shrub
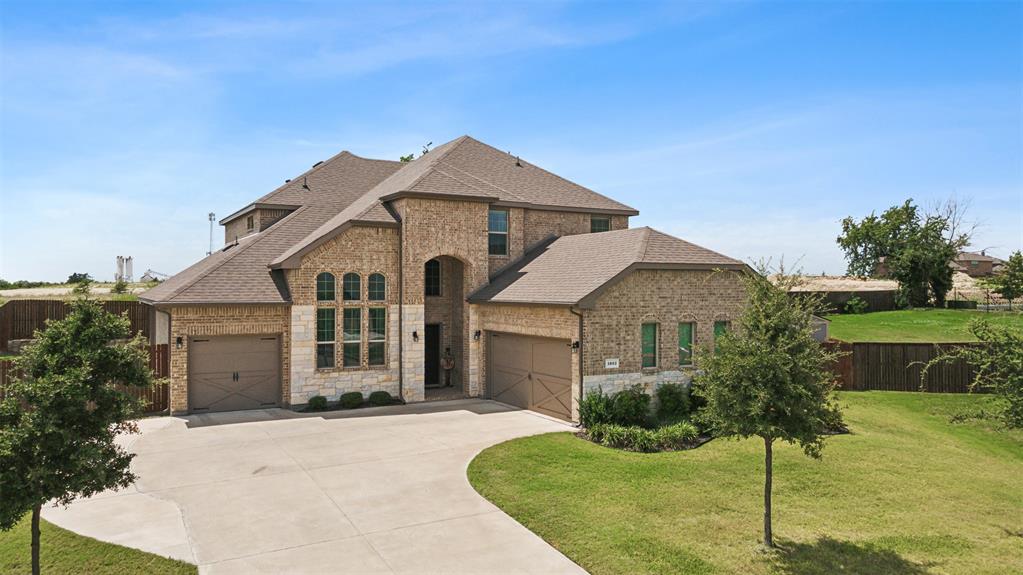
{"x": 673, "y": 402}
{"x": 379, "y": 398}
{"x": 856, "y": 304}
{"x": 631, "y": 407}
{"x": 596, "y": 408}
{"x": 317, "y": 403}
{"x": 680, "y": 435}
{"x": 120, "y": 286}
{"x": 350, "y": 400}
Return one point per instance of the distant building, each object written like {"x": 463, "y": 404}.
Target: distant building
{"x": 973, "y": 264}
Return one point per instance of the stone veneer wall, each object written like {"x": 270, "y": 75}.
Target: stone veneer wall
{"x": 667, "y": 297}
{"x": 307, "y": 380}
{"x": 536, "y": 320}
{"x": 190, "y": 321}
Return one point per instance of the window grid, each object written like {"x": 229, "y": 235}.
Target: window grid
{"x": 497, "y": 237}
{"x": 376, "y": 287}
{"x": 325, "y": 287}
{"x": 649, "y": 344}
{"x": 351, "y": 288}
{"x": 352, "y": 337}
{"x": 325, "y": 337}
{"x": 599, "y": 224}
{"x": 431, "y": 279}
{"x": 377, "y": 335}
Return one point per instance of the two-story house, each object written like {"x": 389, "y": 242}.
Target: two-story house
{"x": 360, "y": 275}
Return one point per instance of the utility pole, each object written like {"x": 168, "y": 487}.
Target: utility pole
{"x": 212, "y": 217}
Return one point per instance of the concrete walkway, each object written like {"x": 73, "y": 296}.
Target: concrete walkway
{"x": 379, "y": 490}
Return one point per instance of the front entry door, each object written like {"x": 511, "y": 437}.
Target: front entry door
{"x": 432, "y": 354}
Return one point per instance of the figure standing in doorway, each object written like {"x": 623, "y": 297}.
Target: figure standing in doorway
{"x": 447, "y": 363}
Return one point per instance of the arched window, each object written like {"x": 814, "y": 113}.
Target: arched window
{"x": 431, "y": 279}
{"x": 376, "y": 287}
{"x": 325, "y": 287}
{"x": 352, "y": 287}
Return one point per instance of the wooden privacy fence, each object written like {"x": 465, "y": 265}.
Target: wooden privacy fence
{"x": 20, "y": 318}
{"x": 876, "y": 300}
{"x": 156, "y": 398}
{"x": 897, "y": 367}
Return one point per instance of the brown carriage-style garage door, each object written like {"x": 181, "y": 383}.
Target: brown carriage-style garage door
{"x": 532, "y": 373}
{"x": 232, "y": 372}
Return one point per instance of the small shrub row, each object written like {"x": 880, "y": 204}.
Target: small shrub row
{"x": 352, "y": 400}
{"x": 629, "y": 407}
{"x": 681, "y": 435}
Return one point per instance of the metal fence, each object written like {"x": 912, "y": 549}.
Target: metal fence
{"x": 20, "y": 318}
{"x": 156, "y": 398}
{"x": 897, "y": 367}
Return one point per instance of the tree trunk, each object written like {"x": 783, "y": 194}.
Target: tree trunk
{"x": 35, "y": 539}
{"x": 768, "y": 538}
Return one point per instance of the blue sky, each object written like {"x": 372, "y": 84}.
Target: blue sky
{"x": 750, "y": 128}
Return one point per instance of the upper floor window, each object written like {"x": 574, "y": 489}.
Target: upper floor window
{"x": 600, "y": 224}
{"x": 250, "y": 223}
{"x": 351, "y": 288}
{"x": 376, "y": 287}
{"x": 325, "y": 287}
{"x": 720, "y": 327}
{"x": 649, "y": 344}
{"x": 431, "y": 278}
{"x": 497, "y": 226}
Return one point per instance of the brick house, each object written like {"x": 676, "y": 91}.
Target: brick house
{"x": 361, "y": 275}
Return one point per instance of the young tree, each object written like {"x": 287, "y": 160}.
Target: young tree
{"x": 916, "y": 247}
{"x": 63, "y": 410}
{"x": 998, "y": 367}
{"x": 78, "y": 277}
{"x": 769, "y": 378}
{"x": 1009, "y": 283}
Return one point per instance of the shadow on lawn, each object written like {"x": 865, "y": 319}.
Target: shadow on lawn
{"x": 827, "y": 555}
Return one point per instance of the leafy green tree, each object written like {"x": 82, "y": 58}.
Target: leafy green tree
{"x": 998, "y": 365}
{"x": 1009, "y": 283}
{"x": 82, "y": 288}
{"x": 78, "y": 278}
{"x": 914, "y": 248}
{"x": 63, "y": 410}
{"x": 770, "y": 378}
{"x": 120, "y": 286}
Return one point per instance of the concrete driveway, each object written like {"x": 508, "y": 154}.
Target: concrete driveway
{"x": 379, "y": 490}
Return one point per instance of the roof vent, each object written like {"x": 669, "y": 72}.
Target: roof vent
{"x": 305, "y": 182}
{"x": 317, "y": 163}
{"x": 517, "y": 162}
{"x": 287, "y": 181}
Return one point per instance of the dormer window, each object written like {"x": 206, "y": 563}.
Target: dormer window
{"x": 250, "y": 223}
{"x": 497, "y": 228}
{"x": 600, "y": 224}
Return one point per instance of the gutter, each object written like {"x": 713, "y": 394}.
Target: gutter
{"x": 581, "y": 347}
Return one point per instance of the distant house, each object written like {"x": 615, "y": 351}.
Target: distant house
{"x": 973, "y": 264}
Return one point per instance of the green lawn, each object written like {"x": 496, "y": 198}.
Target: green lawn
{"x": 62, "y": 551}
{"x": 906, "y": 492}
{"x": 915, "y": 326}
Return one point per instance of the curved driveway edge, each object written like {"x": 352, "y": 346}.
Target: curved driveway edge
{"x": 380, "y": 490}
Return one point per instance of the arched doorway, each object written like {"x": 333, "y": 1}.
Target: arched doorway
{"x": 444, "y": 329}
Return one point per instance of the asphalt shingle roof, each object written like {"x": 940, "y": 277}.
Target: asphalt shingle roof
{"x": 568, "y": 269}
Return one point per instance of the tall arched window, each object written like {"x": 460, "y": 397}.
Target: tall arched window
{"x": 431, "y": 278}
{"x": 376, "y": 287}
{"x": 325, "y": 287}
{"x": 352, "y": 287}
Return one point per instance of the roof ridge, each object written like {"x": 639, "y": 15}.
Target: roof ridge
{"x": 261, "y": 236}
{"x": 431, "y": 163}
{"x": 644, "y": 245}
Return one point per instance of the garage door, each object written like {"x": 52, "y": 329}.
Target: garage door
{"x": 532, "y": 373}
{"x": 229, "y": 373}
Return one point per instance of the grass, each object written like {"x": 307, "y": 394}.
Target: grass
{"x": 62, "y": 551}
{"x": 906, "y": 492}
{"x": 915, "y": 326}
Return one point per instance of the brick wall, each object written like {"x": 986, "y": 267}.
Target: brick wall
{"x": 666, "y": 297}
{"x": 360, "y": 249}
{"x": 193, "y": 321}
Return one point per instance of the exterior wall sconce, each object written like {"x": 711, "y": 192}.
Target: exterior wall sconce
{"x": 415, "y": 336}
{"x": 179, "y": 342}
{"x": 575, "y": 346}
{"x": 476, "y": 335}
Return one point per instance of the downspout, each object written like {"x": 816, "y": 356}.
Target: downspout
{"x": 401, "y": 299}
{"x": 580, "y": 351}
